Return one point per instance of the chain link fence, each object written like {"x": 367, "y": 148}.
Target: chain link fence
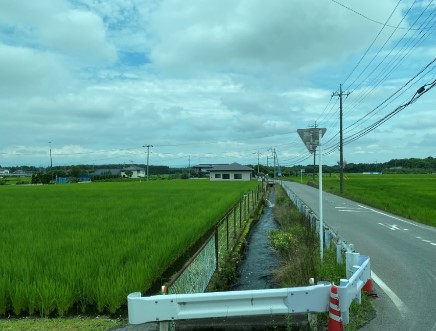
{"x": 198, "y": 271}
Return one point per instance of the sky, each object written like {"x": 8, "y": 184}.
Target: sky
{"x": 224, "y": 81}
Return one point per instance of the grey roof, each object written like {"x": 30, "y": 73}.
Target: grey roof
{"x": 231, "y": 167}
{"x": 133, "y": 168}
{"x": 206, "y": 165}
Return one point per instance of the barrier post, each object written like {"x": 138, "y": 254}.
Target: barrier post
{"x": 335, "y": 321}
{"x": 164, "y": 326}
{"x": 339, "y": 259}
{"x": 216, "y": 248}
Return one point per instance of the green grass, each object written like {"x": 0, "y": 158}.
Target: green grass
{"x": 409, "y": 196}
{"x": 78, "y": 248}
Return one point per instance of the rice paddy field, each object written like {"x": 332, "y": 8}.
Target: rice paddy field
{"x": 410, "y": 196}
{"x": 83, "y": 247}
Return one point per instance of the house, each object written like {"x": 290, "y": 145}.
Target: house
{"x": 203, "y": 169}
{"x": 233, "y": 171}
{"x": 4, "y": 172}
{"x": 134, "y": 171}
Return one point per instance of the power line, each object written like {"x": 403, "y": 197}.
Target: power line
{"x": 369, "y": 47}
{"x": 419, "y": 93}
{"x": 364, "y": 16}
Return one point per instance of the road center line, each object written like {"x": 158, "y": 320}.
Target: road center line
{"x": 391, "y": 294}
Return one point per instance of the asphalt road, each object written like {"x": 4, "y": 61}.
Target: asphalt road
{"x": 403, "y": 258}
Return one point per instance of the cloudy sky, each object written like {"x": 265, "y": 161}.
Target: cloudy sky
{"x": 214, "y": 81}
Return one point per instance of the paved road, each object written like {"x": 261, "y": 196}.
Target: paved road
{"x": 403, "y": 258}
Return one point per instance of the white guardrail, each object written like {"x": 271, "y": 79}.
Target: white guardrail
{"x": 306, "y": 299}
{"x": 313, "y": 299}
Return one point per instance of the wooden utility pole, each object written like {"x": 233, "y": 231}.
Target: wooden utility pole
{"x": 341, "y": 147}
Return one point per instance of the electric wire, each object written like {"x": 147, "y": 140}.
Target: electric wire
{"x": 364, "y": 16}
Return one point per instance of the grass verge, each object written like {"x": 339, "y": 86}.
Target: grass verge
{"x": 298, "y": 247}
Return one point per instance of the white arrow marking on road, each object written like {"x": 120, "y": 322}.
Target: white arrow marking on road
{"x": 392, "y": 227}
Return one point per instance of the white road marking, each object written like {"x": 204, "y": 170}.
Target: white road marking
{"x": 394, "y": 217}
{"x": 391, "y": 294}
{"x": 426, "y": 241}
{"x": 392, "y": 227}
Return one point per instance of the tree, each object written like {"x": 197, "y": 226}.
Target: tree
{"x": 75, "y": 172}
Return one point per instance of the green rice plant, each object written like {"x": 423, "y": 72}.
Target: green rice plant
{"x": 4, "y": 286}
{"x": 89, "y": 246}
{"x": 409, "y": 196}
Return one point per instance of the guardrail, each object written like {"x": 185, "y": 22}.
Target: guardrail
{"x": 307, "y": 299}
{"x": 295, "y": 300}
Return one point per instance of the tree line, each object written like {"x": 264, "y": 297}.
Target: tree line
{"x": 394, "y": 166}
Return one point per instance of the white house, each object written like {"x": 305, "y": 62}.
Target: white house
{"x": 233, "y": 171}
{"x": 137, "y": 172}
{"x": 4, "y": 172}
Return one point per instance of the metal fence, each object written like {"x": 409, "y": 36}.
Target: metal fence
{"x": 196, "y": 274}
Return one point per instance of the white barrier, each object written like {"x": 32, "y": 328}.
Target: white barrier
{"x": 227, "y": 304}
{"x": 294, "y": 300}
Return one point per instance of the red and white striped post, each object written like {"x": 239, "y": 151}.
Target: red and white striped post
{"x": 335, "y": 320}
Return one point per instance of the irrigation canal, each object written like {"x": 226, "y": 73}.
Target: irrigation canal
{"x": 259, "y": 260}
{"x": 256, "y": 272}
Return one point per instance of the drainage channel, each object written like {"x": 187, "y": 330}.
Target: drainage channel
{"x": 259, "y": 260}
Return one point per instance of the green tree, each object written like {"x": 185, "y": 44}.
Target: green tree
{"x": 75, "y": 172}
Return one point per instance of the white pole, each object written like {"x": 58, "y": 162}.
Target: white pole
{"x": 321, "y": 224}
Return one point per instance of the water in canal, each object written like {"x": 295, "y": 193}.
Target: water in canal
{"x": 259, "y": 260}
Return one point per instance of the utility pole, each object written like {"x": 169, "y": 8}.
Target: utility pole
{"x": 341, "y": 146}
{"x": 258, "y": 154}
{"x": 148, "y": 156}
{"x": 51, "y": 161}
{"x": 189, "y": 167}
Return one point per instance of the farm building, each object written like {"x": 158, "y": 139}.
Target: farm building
{"x": 233, "y": 171}
{"x": 134, "y": 171}
{"x": 131, "y": 171}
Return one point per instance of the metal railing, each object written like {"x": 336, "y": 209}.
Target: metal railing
{"x": 296, "y": 300}
{"x": 196, "y": 274}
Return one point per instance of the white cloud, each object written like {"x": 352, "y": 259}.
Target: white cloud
{"x": 254, "y": 35}
{"x": 215, "y": 80}
{"x": 57, "y": 27}
{"x": 30, "y": 72}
